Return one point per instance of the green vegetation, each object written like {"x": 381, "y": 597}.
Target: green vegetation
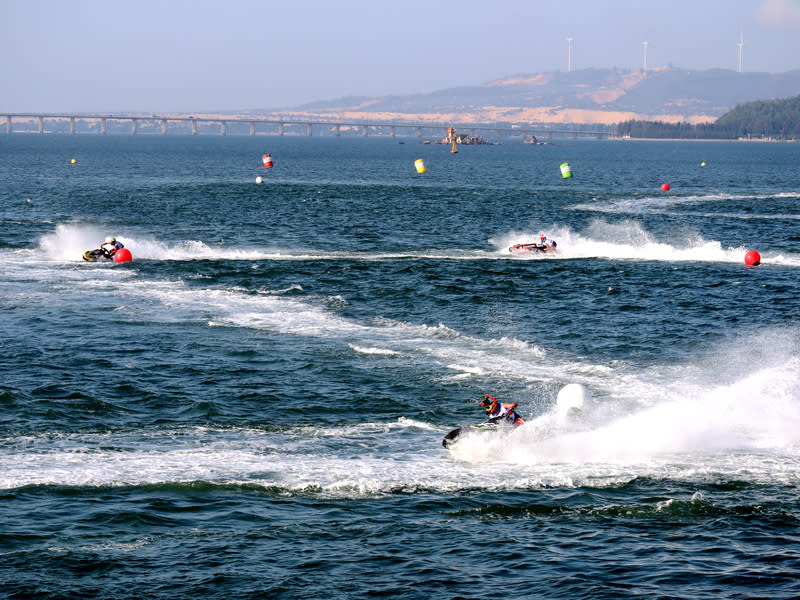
{"x": 777, "y": 119}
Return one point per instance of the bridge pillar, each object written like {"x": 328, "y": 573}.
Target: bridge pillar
{"x": 364, "y": 130}
{"x": 134, "y": 123}
{"x": 337, "y": 130}
{"x": 41, "y": 124}
{"x": 103, "y": 126}
{"x": 308, "y": 129}
{"x": 391, "y": 131}
{"x": 9, "y": 127}
{"x": 419, "y": 132}
{"x": 252, "y": 128}
{"x": 72, "y": 125}
{"x": 223, "y": 127}
{"x": 280, "y": 129}
{"x": 194, "y": 127}
{"x": 163, "y": 127}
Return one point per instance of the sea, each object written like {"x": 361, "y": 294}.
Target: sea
{"x": 254, "y": 407}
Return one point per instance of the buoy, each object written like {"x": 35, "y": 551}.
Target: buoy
{"x": 703, "y": 164}
{"x": 420, "y": 165}
{"x": 74, "y": 160}
{"x": 267, "y": 159}
{"x": 123, "y": 255}
{"x": 665, "y": 187}
{"x": 259, "y": 180}
{"x": 752, "y": 258}
{"x": 565, "y": 171}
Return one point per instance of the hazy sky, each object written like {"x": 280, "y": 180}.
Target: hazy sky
{"x": 176, "y": 55}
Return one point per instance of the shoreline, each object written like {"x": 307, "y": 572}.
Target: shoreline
{"x": 760, "y": 140}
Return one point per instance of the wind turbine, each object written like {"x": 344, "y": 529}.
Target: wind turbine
{"x": 569, "y": 55}
{"x": 644, "y": 69}
{"x": 741, "y": 45}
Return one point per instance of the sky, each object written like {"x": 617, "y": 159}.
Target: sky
{"x": 203, "y": 55}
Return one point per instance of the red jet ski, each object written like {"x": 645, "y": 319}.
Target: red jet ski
{"x": 533, "y": 247}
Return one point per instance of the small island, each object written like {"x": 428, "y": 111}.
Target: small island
{"x": 534, "y": 142}
{"x": 454, "y": 138}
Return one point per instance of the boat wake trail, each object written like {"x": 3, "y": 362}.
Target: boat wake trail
{"x": 629, "y": 240}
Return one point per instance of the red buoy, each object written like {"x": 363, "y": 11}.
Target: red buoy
{"x": 752, "y": 258}
{"x": 665, "y": 187}
{"x": 123, "y": 255}
{"x": 267, "y": 159}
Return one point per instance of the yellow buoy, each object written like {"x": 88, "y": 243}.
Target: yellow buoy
{"x": 420, "y": 165}
{"x": 74, "y": 160}
{"x": 703, "y": 164}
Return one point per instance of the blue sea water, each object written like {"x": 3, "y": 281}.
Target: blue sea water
{"x": 254, "y": 407}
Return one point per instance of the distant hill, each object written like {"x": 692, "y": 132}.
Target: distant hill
{"x": 775, "y": 119}
{"x": 599, "y": 96}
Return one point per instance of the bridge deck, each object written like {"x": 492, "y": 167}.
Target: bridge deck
{"x": 524, "y": 130}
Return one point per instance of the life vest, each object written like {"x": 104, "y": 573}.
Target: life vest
{"x": 501, "y": 412}
{"x": 112, "y": 247}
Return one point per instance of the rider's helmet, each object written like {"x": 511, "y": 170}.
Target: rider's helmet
{"x": 488, "y": 402}
{"x": 110, "y": 240}
{"x": 543, "y": 238}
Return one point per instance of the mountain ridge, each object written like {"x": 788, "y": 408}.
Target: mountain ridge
{"x": 588, "y": 96}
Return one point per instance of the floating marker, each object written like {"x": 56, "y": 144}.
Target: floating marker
{"x": 123, "y": 255}
{"x": 752, "y": 258}
{"x": 565, "y": 171}
{"x": 259, "y": 180}
{"x": 267, "y": 160}
{"x": 665, "y": 187}
{"x": 74, "y": 160}
{"x": 420, "y": 165}
{"x": 703, "y": 164}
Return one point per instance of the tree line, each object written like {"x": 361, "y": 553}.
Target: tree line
{"x": 779, "y": 119}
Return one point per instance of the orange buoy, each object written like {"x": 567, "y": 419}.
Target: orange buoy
{"x": 267, "y": 159}
{"x": 665, "y": 187}
{"x": 752, "y": 258}
{"x": 123, "y": 255}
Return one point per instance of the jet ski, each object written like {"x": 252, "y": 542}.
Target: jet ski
{"x": 498, "y": 424}
{"x": 97, "y": 255}
{"x": 122, "y": 255}
{"x": 532, "y": 247}
{"x": 505, "y": 418}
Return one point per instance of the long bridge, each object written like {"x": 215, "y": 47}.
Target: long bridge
{"x": 99, "y": 122}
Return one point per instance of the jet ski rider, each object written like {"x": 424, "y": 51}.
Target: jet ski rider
{"x": 547, "y": 243}
{"x": 110, "y": 246}
{"x": 501, "y": 411}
